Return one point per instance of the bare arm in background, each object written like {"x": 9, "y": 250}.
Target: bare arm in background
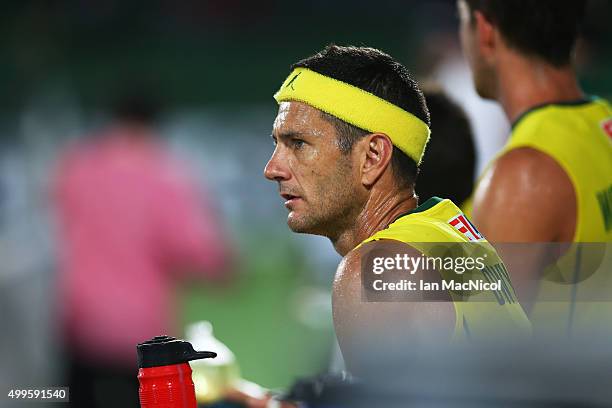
{"x": 526, "y": 197}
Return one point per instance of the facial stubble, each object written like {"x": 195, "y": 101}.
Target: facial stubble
{"x": 331, "y": 208}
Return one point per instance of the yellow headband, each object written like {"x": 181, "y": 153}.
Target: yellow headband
{"x": 357, "y": 107}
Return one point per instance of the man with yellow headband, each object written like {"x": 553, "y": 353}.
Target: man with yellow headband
{"x": 351, "y": 130}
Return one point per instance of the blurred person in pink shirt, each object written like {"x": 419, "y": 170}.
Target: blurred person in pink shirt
{"x": 131, "y": 223}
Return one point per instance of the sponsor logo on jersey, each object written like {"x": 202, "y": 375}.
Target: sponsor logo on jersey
{"x": 464, "y": 226}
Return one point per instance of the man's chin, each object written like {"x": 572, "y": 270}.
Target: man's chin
{"x": 299, "y": 225}
{"x": 484, "y": 93}
{"x": 483, "y": 86}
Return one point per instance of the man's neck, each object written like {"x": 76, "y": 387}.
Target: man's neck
{"x": 526, "y": 83}
{"x": 379, "y": 211}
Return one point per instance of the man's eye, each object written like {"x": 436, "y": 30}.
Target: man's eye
{"x": 297, "y": 143}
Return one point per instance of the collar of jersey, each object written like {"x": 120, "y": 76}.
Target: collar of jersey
{"x": 582, "y": 101}
{"x": 430, "y": 203}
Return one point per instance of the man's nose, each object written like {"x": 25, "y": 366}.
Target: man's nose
{"x": 276, "y": 169}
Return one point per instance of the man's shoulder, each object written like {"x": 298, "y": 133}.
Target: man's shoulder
{"x": 525, "y": 165}
{"x": 430, "y": 222}
{"x": 352, "y": 261}
{"x": 529, "y": 175}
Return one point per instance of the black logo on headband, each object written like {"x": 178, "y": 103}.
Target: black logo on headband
{"x": 290, "y": 83}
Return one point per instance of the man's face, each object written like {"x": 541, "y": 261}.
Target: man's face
{"x": 315, "y": 178}
{"x": 481, "y": 72}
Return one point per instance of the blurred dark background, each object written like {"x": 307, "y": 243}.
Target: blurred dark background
{"x": 221, "y": 52}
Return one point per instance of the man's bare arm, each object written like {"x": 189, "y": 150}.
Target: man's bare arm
{"x": 359, "y": 322}
{"x": 525, "y": 197}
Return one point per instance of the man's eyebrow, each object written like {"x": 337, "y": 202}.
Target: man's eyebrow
{"x": 287, "y": 134}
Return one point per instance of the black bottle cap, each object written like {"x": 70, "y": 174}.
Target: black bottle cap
{"x": 166, "y": 350}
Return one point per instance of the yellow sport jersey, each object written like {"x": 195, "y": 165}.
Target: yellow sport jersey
{"x": 578, "y": 136}
{"x": 481, "y": 315}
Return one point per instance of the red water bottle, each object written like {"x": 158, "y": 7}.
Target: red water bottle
{"x": 164, "y": 373}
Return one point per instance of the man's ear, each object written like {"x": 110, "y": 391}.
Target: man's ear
{"x": 378, "y": 149}
{"x": 486, "y": 34}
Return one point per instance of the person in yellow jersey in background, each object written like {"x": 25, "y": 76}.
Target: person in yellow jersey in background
{"x": 350, "y": 133}
{"x": 552, "y": 182}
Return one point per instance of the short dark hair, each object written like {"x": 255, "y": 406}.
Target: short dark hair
{"x": 378, "y": 73}
{"x": 449, "y": 162}
{"x": 543, "y": 28}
